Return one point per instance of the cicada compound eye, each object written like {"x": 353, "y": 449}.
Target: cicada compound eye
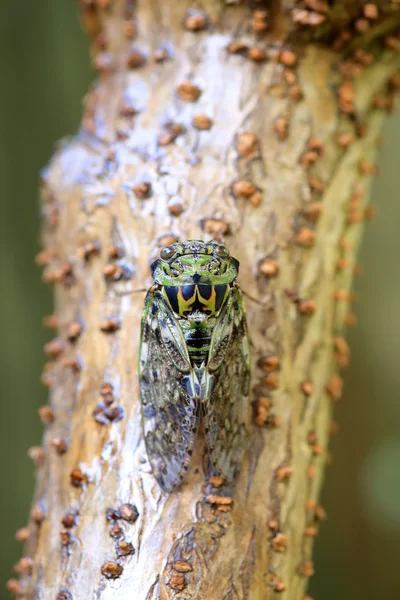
{"x": 222, "y": 251}
{"x": 167, "y": 253}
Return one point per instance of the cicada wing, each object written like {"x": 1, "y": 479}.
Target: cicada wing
{"x": 170, "y": 408}
{"x": 225, "y": 406}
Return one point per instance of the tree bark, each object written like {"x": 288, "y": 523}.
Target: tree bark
{"x": 204, "y": 124}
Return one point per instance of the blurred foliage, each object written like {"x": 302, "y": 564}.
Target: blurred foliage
{"x": 45, "y": 73}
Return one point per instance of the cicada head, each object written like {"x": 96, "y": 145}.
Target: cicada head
{"x": 195, "y": 262}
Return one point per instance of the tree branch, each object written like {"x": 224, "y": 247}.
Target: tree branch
{"x": 203, "y": 124}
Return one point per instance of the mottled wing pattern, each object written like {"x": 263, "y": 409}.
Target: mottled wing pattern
{"x": 225, "y": 405}
{"x": 170, "y": 412}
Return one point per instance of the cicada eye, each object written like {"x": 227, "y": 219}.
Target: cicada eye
{"x": 222, "y": 251}
{"x": 167, "y": 253}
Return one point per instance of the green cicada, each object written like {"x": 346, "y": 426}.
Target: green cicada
{"x": 194, "y": 361}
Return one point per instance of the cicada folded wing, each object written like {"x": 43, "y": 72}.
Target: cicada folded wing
{"x": 225, "y": 407}
{"x": 170, "y": 409}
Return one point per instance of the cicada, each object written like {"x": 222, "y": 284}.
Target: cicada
{"x": 194, "y": 362}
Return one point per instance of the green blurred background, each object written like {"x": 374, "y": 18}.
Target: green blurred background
{"x": 44, "y": 70}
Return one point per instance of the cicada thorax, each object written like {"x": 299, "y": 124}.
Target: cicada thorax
{"x": 196, "y": 299}
{"x": 196, "y": 307}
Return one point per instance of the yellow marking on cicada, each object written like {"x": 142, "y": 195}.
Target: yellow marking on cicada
{"x": 196, "y": 301}
{"x": 209, "y": 304}
{"x": 185, "y": 305}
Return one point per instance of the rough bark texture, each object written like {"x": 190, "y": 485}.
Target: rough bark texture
{"x": 269, "y": 147}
